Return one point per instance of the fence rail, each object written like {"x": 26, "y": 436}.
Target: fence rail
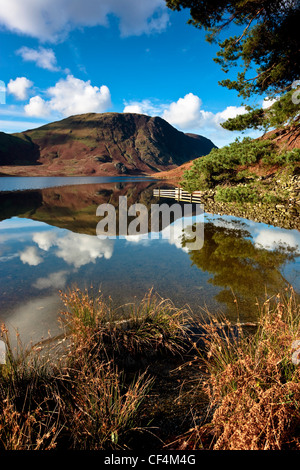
{"x": 179, "y": 194}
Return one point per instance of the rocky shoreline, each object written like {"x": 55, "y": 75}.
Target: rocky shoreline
{"x": 285, "y": 214}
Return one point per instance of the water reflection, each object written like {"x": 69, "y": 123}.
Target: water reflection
{"x": 75, "y": 249}
{"x": 247, "y": 267}
{"x": 74, "y": 207}
{"x": 48, "y": 242}
{"x": 24, "y": 183}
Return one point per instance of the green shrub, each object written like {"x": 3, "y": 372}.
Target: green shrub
{"x": 243, "y": 194}
{"x": 225, "y": 165}
{"x": 236, "y": 194}
{"x": 292, "y": 156}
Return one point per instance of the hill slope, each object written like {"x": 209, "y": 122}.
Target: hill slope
{"x": 18, "y": 150}
{"x": 107, "y": 144}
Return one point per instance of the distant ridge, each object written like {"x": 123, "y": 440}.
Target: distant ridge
{"x": 100, "y": 144}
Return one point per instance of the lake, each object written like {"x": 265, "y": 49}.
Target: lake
{"x": 48, "y": 242}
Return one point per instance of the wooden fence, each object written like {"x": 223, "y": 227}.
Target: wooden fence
{"x": 179, "y": 194}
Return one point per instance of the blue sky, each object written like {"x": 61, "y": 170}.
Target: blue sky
{"x": 61, "y": 57}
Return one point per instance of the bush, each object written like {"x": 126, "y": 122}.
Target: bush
{"x": 225, "y": 165}
{"x": 238, "y": 194}
{"x": 244, "y": 194}
{"x": 222, "y": 164}
{"x": 283, "y": 158}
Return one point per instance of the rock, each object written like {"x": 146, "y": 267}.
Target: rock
{"x": 121, "y": 168}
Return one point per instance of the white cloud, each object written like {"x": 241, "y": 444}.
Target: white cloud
{"x": 268, "y": 102}
{"x": 79, "y": 250}
{"x": 34, "y": 319}
{"x": 30, "y": 256}
{"x": 19, "y": 87}
{"x": 71, "y": 96}
{"x": 138, "y": 17}
{"x": 187, "y": 115}
{"x": 74, "y": 96}
{"x": 37, "y": 107}
{"x": 229, "y": 112}
{"x": 174, "y": 233}
{"x": 137, "y": 238}
{"x": 143, "y": 107}
{"x": 44, "y": 58}
{"x": 134, "y": 108}
{"x": 51, "y": 20}
{"x": 272, "y": 239}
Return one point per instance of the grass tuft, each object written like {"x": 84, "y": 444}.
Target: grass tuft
{"x": 149, "y": 328}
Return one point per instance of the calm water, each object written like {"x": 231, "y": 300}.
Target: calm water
{"x": 16, "y": 183}
{"x": 48, "y": 242}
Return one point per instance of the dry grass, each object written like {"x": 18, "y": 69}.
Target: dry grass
{"x": 30, "y": 405}
{"x": 148, "y": 328}
{"x": 78, "y": 397}
{"x": 100, "y": 406}
{"x": 86, "y": 397}
{"x": 253, "y": 384}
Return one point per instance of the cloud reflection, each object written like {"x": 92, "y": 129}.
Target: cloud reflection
{"x": 75, "y": 249}
{"x": 271, "y": 239}
{"x": 55, "y": 280}
{"x": 30, "y": 256}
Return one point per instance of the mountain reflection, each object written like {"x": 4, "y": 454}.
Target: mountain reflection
{"x": 74, "y": 207}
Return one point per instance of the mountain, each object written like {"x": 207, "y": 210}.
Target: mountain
{"x": 17, "y": 150}
{"x": 101, "y": 144}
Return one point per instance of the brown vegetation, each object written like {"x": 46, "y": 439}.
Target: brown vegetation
{"x": 104, "y": 145}
{"x": 101, "y": 383}
{"x": 253, "y": 383}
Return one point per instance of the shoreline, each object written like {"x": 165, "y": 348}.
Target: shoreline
{"x": 278, "y": 215}
{"x": 284, "y": 214}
